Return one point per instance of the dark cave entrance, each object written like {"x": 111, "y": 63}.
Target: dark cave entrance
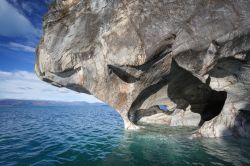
{"x": 214, "y": 105}
{"x": 183, "y": 89}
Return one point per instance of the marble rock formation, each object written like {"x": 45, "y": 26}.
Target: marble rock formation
{"x": 134, "y": 55}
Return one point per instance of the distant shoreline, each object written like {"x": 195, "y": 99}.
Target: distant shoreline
{"x": 18, "y": 102}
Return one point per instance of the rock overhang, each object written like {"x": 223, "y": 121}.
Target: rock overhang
{"x": 137, "y": 54}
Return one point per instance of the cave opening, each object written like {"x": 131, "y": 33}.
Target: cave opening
{"x": 163, "y": 108}
{"x": 214, "y": 105}
{"x": 184, "y": 90}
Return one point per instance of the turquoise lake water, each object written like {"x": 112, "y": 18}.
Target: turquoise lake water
{"x": 94, "y": 135}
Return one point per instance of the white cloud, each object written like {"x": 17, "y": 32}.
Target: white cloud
{"x": 20, "y": 47}
{"x": 26, "y": 85}
{"x": 14, "y": 24}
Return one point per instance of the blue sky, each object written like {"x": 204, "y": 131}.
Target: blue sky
{"x": 20, "y": 32}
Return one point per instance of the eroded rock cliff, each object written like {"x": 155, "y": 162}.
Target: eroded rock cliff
{"x": 192, "y": 56}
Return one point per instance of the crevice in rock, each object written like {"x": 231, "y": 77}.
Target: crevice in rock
{"x": 241, "y": 125}
{"x": 122, "y": 74}
{"x": 226, "y": 67}
{"x": 132, "y": 74}
{"x": 160, "y": 53}
{"x": 67, "y": 72}
{"x": 47, "y": 80}
{"x": 77, "y": 88}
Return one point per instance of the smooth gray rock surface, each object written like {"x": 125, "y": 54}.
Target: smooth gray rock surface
{"x": 136, "y": 54}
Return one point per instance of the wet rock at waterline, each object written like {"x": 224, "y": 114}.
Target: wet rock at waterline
{"x": 134, "y": 55}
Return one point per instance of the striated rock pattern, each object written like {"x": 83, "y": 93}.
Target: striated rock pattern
{"x": 138, "y": 54}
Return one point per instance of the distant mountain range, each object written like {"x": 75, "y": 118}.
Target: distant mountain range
{"x": 14, "y": 102}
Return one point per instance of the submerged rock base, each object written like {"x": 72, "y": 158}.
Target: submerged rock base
{"x": 191, "y": 56}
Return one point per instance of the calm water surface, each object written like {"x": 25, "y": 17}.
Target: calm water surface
{"x": 89, "y": 136}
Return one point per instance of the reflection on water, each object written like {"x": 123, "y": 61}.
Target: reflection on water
{"x": 157, "y": 145}
{"x": 95, "y": 136}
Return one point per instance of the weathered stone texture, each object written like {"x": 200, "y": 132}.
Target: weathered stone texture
{"x": 135, "y": 54}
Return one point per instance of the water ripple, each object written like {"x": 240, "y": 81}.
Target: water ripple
{"x": 94, "y": 136}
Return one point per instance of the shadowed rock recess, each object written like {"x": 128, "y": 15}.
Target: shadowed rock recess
{"x": 140, "y": 55}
